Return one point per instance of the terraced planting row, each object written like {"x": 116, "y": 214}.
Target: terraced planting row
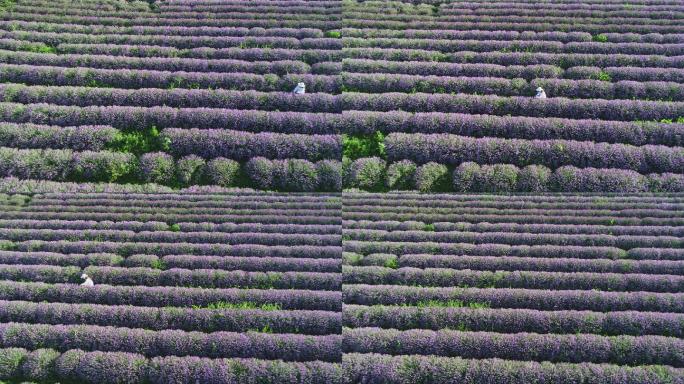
{"x": 187, "y": 287}
{"x": 513, "y": 289}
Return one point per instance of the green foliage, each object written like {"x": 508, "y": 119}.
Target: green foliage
{"x": 357, "y": 146}
{"x": 603, "y": 76}
{"x": 350, "y": 258}
{"x": 6, "y": 4}
{"x": 392, "y": 263}
{"x": 600, "y": 38}
{"x": 7, "y": 245}
{"x": 139, "y": 141}
{"x": 240, "y": 305}
{"x": 174, "y": 228}
{"x": 333, "y": 34}
{"x": 429, "y": 228}
{"x": 678, "y": 120}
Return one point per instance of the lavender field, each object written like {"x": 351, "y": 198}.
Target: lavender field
{"x": 513, "y": 289}
{"x": 176, "y": 93}
{"x": 341, "y": 192}
{"x": 210, "y": 288}
{"x": 441, "y": 96}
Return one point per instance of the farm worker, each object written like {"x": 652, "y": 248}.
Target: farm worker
{"x": 540, "y": 93}
{"x": 88, "y": 281}
{"x": 300, "y": 89}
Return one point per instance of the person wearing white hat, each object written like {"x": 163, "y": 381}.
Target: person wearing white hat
{"x": 88, "y": 281}
{"x": 300, "y": 89}
{"x": 540, "y": 93}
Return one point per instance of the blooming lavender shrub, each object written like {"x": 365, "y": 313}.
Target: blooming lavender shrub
{"x": 570, "y": 178}
{"x": 432, "y": 177}
{"x": 190, "y": 170}
{"x": 223, "y": 172}
{"x": 534, "y": 178}
{"x": 400, "y": 175}
{"x": 295, "y": 175}
{"x": 40, "y": 365}
{"x": 157, "y": 167}
{"x": 329, "y": 174}
{"x": 465, "y": 176}
{"x": 259, "y": 171}
{"x": 10, "y": 362}
{"x": 102, "y": 166}
{"x": 367, "y": 173}
{"x": 497, "y": 178}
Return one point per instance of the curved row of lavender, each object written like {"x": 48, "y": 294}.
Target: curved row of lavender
{"x": 246, "y": 283}
{"x": 512, "y": 96}
{"x": 210, "y": 83}
{"x": 548, "y": 288}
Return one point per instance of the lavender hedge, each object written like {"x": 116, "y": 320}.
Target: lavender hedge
{"x": 121, "y": 367}
{"x": 453, "y": 150}
{"x": 79, "y": 76}
{"x": 514, "y": 320}
{"x": 377, "y": 368}
{"x": 513, "y": 238}
{"x": 168, "y": 296}
{"x": 255, "y": 264}
{"x": 639, "y": 350}
{"x": 547, "y": 300}
{"x": 159, "y": 319}
{"x": 505, "y": 178}
{"x": 172, "y": 64}
{"x": 531, "y": 119}
{"x": 210, "y": 278}
{"x": 506, "y": 263}
{"x": 92, "y": 138}
{"x": 443, "y": 277}
{"x": 242, "y": 146}
{"x": 287, "y": 347}
{"x": 575, "y": 89}
{"x": 141, "y": 118}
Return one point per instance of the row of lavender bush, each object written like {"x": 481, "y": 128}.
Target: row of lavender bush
{"x": 637, "y": 350}
{"x": 320, "y": 113}
{"x": 445, "y": 277}
{"x": 374, "y": 174}
{"x": 119, "y": 367}
{"x": 527, "y": 72}
{"x": 161, "y": 168}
